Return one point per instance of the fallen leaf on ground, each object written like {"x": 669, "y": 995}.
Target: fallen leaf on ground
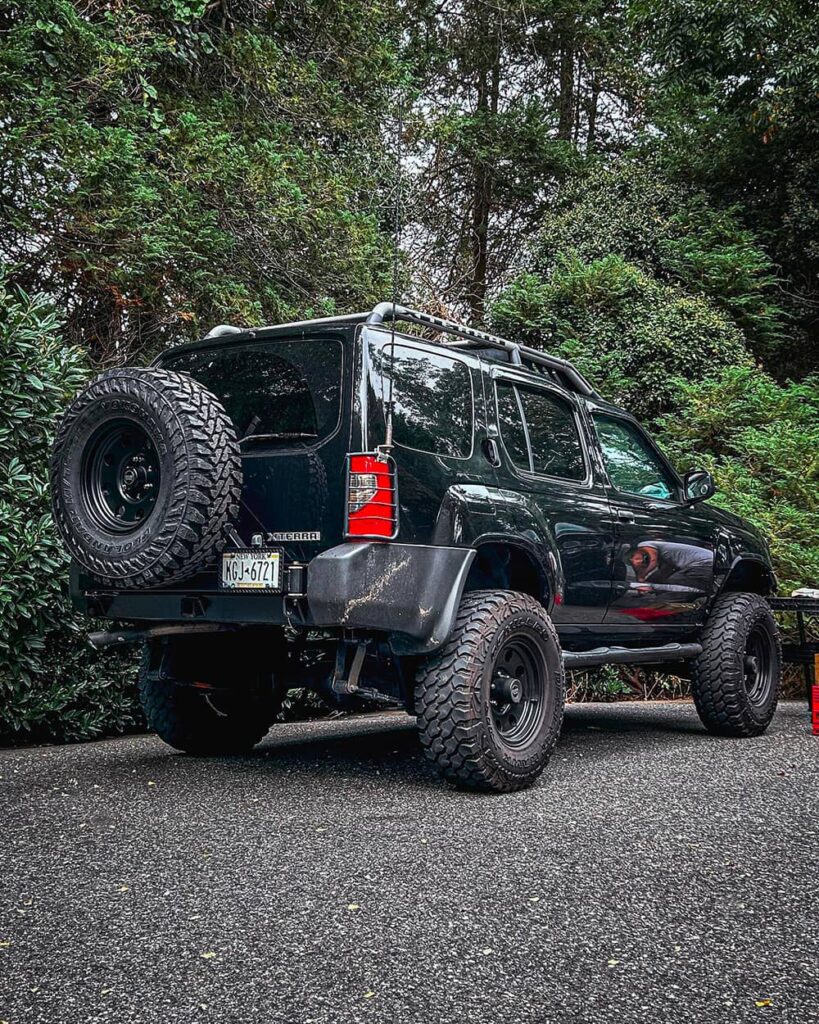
{"x": 763, "y": 1002}
{"x": 208, "y": 956}
{"x": 613, "y": 963}
{"x": 369, "y": 995}
{"x": 353, "y": 906}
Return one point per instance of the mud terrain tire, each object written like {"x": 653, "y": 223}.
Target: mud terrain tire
{"x": 480, "y": 729}
{"x": 735, "y": 681}
{"x": 145, "y": 475}
{"x": 208, "y": 694}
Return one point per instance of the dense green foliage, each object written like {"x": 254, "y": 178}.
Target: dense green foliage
{"x": 177, "y": 163}
{"x": 761, "y": 441}
{"x": 632, "y": 335}
{"x": 631, "y": 183}
{"x": 672, "y": 232}
{"x": 51, "y": 684}
{"x": 730, "y": 94}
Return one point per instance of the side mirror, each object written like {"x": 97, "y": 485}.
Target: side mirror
{"x": 698, "y": 485}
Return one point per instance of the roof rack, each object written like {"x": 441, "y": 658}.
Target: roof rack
{"x": 471, "y": 337}
{"x": 468, "y": 337}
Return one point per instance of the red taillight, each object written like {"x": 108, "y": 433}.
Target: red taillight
{"x": 372, "y": 499}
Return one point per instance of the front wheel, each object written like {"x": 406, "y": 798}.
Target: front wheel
{"x": 490, "y": 702}
{"x": 735, "y": 681}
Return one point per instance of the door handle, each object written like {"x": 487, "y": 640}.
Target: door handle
{"x": 490, "y": 450}
{"x": 623, "y": 516}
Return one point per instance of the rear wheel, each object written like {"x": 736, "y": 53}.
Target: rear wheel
{"x": 490, "y": 701}
{"x": 206, "y": 694}
{"x": 735, "y": 681}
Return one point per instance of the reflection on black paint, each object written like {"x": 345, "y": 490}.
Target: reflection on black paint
{"x": 669, "y": 563}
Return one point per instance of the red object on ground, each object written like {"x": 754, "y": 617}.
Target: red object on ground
{"x": 814, "y": 704}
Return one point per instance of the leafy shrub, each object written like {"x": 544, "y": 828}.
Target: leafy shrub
{"x": 631, "y": 334}
{"x": 52, "y": 686}
{"x": 761, "y": 441}
{"x": 674, "y": 234}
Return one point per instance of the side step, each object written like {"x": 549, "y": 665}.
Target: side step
{"x": 630, "y": 655}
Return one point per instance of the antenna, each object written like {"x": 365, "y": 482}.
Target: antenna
{"x": 397, "y": 215}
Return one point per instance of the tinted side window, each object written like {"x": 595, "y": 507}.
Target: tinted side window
{"x": 432, "y": 399}
{"x": 553, "y": 437}
{"x": 633, "y": 465}
{"x": 511, "y": 426}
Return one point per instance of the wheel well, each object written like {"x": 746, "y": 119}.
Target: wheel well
{"x": 505, "y": 567}
{"x": 750, "y": 577}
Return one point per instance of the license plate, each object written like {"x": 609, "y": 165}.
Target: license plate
{"x": 251, "y": 570}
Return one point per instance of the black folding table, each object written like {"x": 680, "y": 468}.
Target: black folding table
{"x": 803, "y": 653}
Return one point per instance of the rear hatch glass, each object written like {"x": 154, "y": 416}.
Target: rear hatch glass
{"x": 276, "y": 392}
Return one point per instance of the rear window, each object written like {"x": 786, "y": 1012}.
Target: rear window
{"x": 277, "y": 391}
{"x": 432, "y": 398}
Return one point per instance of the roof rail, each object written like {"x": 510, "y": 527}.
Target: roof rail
{"x": 472, "y": 337}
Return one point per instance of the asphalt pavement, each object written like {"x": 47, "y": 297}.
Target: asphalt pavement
{"x": 654, "y": 874}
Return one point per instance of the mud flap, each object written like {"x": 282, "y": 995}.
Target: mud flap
{"x": 409, "y": 590}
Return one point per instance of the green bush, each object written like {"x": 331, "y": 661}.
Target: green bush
{"x": 52, "y": 686}
{"x": 674, "y": 234}
{"x": 761, "y": 441}
{"x": 631, "y": 334}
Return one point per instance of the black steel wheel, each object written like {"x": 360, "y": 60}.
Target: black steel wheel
{"x": 735, "y": 681}
{"x": 120, "y": 475}
{"x": 490, "y": 702}
{"x": 758, "y": 665}
{"x": 519, "y": 693}
{"x": 145, "y": 475}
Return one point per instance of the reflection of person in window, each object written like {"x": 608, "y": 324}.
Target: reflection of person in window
{"x": 666, "y": 562}
{"x": 656, "y": 490}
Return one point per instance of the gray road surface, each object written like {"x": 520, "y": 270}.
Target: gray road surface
{"x": 654, "y": 874}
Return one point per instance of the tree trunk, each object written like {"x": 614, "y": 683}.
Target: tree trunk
{"x": 488, "y": 98}
{"x": 592, "y": 114}
{"x": 565, "y": 101}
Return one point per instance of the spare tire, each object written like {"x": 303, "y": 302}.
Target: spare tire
{"x": 145, "y": 475}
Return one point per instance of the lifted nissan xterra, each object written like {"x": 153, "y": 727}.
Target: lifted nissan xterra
{"x": 443, "y": 526}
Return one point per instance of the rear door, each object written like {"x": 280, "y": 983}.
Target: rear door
{"x": 288, "y": 398}
{"x": 563, "y": 505}
{"x": 664, "y": 558}
{"x": 438, "y": 421}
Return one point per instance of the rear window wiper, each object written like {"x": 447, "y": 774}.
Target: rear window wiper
{"x": 284, "y": 435}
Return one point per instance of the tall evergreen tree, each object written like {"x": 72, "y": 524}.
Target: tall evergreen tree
{"x": 511, "y": 96}
{"x": 179, "y": 162}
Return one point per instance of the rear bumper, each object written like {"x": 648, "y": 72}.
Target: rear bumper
{"x": 409, "y": 591}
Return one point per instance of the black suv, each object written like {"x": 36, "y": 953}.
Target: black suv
{"x": 443, "y": 526}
